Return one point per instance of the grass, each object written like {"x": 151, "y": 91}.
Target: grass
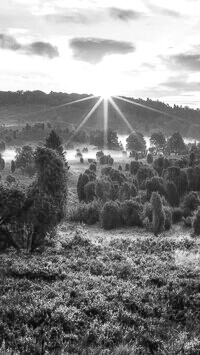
{"x": 87, "y": 294}
{"x": 121, "y": 292}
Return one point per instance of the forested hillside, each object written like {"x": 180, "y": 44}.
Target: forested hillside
{"x": 23, "y": 107}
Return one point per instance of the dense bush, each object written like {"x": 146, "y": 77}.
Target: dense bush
{"x": 93, "y": 167}
{"x": 89, "y": 191}
{"x": 191, "y": 201}
{"x": 155, "y": 184}
{"x": 82, "y": 181}
{"x": 110, "y": 216}
{"x": 134, "y": 166}
{"x": 124, "y": 192}
{"x": 86, "y": 213}
{"x": 54, "y": 142}
{"x": 193, "y": 175}
{"x": 196, "y": 223}
{"x": 177, "y": 214}
{"x": 10, "y": 179}
{"x": 172, "y": 194}
{"x": 127, "y": 167}
{"x": 168, "y": 217}
{"x": 149, "y": 158}
{"x": 131, "y": 212}
{"x": 103, "y": 189}
{"x": 144, "y": 173}
{"x": 158, "y": 219}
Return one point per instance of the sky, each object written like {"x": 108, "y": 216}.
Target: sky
{"x": 136, "y": 48}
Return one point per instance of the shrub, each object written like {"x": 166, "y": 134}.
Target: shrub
{"x": 177, "y": 214}
{"x": 79, "y": 155}
{"x": 134, "y": 166}
{"x": 131, "y": 212}
{"x": 103, "y": 189}
{"x": 144, "y": 173}
{"x": 149, "y": 158}
{"x": 168, "y": 217}
{"x": 54, "y": 142}
{"x": 117, "y": 175}
{"x": 191, "y": 201}
{"x": 120, "y": 168}
{"x": 193, "y": 175}
{"x": 82, "y": 181}
{"x": 99, "y": 154}
{"x": 81, "y": 160}
{"x": 110, "y": 215}
{"x": 147, "y": 212}
{"x": 124, "y": 192}
{"x": 155, "y": 184}
{"x": 172, "y": 194}
{"x": 158, "y": 219}
{"x": 93, "y": 167}
{"x": 134, "y": 190}
{"x": 10, "y": 179}
{"x": 86, "y": 213}
{"x": 127, "y": 167}
{"x": 158, "y": 165}
{"x": 196, "y": 223}
{"x": 89, "y": 190}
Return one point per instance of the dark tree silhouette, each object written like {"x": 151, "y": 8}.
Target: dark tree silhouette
{"x": 54, "y": 142}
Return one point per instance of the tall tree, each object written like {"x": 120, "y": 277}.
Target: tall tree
{"x": 158, "y": 141}
{"x": 175, "y": 143}
{"x": 54, "y": 142}
{"x": 136, "y": 142}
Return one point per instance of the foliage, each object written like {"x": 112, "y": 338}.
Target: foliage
{"x": 172, "y": 194}
{"x": 177, "y": 214}
{"x": 134, "y": 167}
{"x": 149, "y": 158}
{"x": 168, "y": 217}
{"x": 196, "y": 223}
{"x": 131, "y": 212}
{"x": 136, "y": 142}
{"x": 85, "y": 212}
{"x": 124, "y": 192}
{"x": 82, "y": 181}
{"x": 155, "y": 184}
{"x": 158, "y": 219}
{"x": 54, "y": 142}
{"x": 110, "y": 216}
{"x": 175, "y": 144}
{"x": 103, "y": 189}
{"x": 24, "y": 157}
{"x": 89, "y": 191}
{"x": 158, "y": 141}
{"x": 13, "y": 166}
{"x": 144, "y": 172}
{"x": 191, "y": 201}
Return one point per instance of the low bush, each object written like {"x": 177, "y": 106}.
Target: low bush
{"x": 191, "y": 201}
{"x": 131, "y": 212}
{"x": 196, "y": 223}
{"x": 177, "y": 214}
{"x": 85, "y": 213}
{"x": 110, "y": 216}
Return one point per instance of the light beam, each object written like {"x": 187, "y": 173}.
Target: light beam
{"x": 121, "y": 114}
{"x": 105, "y": 110}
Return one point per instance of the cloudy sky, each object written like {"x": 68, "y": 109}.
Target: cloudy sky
{"x": 140, "y": 48}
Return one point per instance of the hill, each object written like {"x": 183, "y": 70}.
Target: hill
{"x": 21, "y": 107}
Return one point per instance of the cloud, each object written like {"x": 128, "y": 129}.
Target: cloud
{"x": 43, "y": 49}
{"x": 124, "y": 15}
{"x": 93, "y": 50}
{"x": 189, "y": 62}
{"x": 181, "y": 85}
{"x": 162, "y": 10}
{"x": 86, "y": 16}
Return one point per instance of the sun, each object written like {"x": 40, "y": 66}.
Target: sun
{"x": 103, "y": 82}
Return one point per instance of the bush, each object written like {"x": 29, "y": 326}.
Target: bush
{"x": 155, "y": 184}
{"x": 149, "y": 158}
{"x": 191, "y": 201}
{"x": 93, "y": 167}
{"x": 127, "y": 167}
{"x": 81, "y": 160}
{"x": 168, "y": 217}
{"x": 131, "y": 212}
{"x": 144, "y": 173}
{"x": 120, "y": 168}
{"x": 158, "y": 219}
{"x": 82, "y": 181}
{"x": 172, "y": 194}
{"x": 10, "y": 179}
{"x": 86, "y": 213}
{"x": 12, "y": 166}
{"x": 193, "y": 175}
{"x": 117, "y": 175}
{"x": 103, "y": 189}
{"x": 134, "y": 190}
{"x": 196, "y": 223}
{"x": 125, "y": 192}
{"x": 89, "y": 190}
{"x": 134, "y": 166}
{"x": 110, "y": 216}
{"x": 177, "y": 214}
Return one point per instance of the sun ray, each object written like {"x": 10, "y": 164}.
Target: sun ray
{"x": 105, "y": 106}
{"x": 121, "y": 114}
{"x": 53, "y": 107}
{"x": 147, "y": 107}
{"x": 93, "y": 109}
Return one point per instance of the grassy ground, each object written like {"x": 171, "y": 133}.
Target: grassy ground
{"x": 117, "y": 292}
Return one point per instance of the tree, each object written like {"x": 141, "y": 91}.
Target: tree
{"x": 175, "y": 143}
{"x": 53, "y": 141}
{"x": 47, "y": 195}
{"x": 158, "y": 218}
{"x": 136, "y": 142}
{"x": 24, "y": 157}
{"x": 158, "y": 141}
{"x": 13, "y": 166}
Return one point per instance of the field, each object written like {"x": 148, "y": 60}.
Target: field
{"x": 93, "y": 291}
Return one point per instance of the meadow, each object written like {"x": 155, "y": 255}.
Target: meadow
{"x": 122, "y": 291}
